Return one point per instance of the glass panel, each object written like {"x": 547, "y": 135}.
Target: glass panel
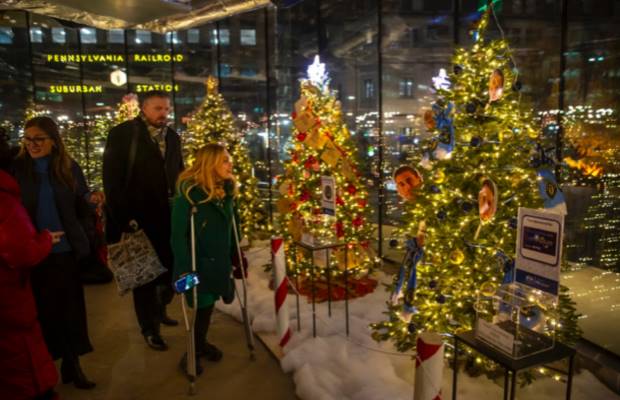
{"x": 142, "y": 37}
{"x": 59, "y": 35}
{"x": 224, "y": 35}
{"x": 15, "y": 87}
{"x": 418, "y": 44}
{"x": 592, "y": 186}
{"x": 248, "y": 37}
{"x": 534, "y": 41}
{"x": 56, "y": 69}
{"x": 36, "y": 35}
{"x": 108, "y": 72}
{"x": 349, "y": 38}
{"x": 196, "y": 61}
{"x": 193, "y": 36}
{"x": 116, "y": 36}
{"x": 6, "y": 35}
{"x": 88, "y": 35}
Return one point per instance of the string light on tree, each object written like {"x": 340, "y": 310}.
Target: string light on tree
{"x": 213, "y": 122}
{"x": 322, "y": 147}
{"x": 490, "y": 164}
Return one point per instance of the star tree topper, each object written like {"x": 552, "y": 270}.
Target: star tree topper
{"x": 317, "y": 74}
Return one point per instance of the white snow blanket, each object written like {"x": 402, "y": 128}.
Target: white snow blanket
{"x": 334, "y": 367}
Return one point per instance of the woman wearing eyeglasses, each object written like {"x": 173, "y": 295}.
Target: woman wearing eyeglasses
{"x": 53, "y": 190}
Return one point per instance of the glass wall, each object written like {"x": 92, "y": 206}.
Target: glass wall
{"x": 592, "y": 132}
{"x": 78, "y": 72}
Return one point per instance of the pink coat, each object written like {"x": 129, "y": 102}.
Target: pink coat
{"x": 26, "y": 368}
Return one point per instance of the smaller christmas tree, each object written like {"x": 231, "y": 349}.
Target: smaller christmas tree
{"x": 323, "y": 170}
{"x": 213, "y": 122}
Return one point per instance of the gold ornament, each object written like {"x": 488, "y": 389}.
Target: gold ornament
{"x": 488, "y": 289}
{"x": 457, "y": 257}
{"x": 439, "y": 176}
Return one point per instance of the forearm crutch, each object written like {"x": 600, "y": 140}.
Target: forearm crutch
{"x": 249, "y": 335}
{"x": 191, "y": 319}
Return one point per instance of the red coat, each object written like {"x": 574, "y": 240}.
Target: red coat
{"x": 26, "y": 368}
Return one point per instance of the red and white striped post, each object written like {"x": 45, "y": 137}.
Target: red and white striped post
{"x": 428, "y": 367}
{"x": 281, "y": 289}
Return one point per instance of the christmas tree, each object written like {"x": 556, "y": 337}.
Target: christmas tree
{"x": 323, "y": 193}
{"x": 213, "y": 122}
{"x": 86, "y": 142}
{"x": 482, "y": 162}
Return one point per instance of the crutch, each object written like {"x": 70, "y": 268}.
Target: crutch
{"x": 249, "y": 335}
{"x": 191, "y": 320}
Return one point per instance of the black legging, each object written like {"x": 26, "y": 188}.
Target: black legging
{"x": 201, "y": 327}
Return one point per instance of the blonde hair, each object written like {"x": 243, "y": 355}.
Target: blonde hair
{"x": 202, "y": 173}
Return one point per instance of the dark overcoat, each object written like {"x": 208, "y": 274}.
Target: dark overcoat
{"x": 144, "y": 194}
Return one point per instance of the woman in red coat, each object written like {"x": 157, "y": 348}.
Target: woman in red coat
{"x": 26, "y": 368}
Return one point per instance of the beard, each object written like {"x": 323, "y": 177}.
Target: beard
{"x": 159, "y": 123}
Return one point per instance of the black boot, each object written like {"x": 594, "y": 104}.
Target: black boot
{"x": 71, "y": 371}
{"x": 203, "y": 347}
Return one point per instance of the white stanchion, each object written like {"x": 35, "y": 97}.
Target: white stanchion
{"x": 281, "y": 289}
{"x": 428, "y": 367}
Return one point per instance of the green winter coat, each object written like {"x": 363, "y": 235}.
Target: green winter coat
{"x": 214, "y": 242}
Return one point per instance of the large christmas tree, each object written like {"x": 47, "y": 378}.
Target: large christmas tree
{"x": 482, "y": 163}
{"x": 212, "y": 122}
{"x": 323, "y": 151}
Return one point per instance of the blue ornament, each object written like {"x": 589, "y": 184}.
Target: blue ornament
{"x": 470, "y": 107}
{"x": 457, "y": 69}
{"x": 512, "y": 223}
{"x": 441, "y": 215}
{"x": 467, "y": 207}
{"x": 475, "y": 141}
{"x": 432, "y": 284}
{"x": 411, "y": 327}
{"x": 509, "y": 266}
{"x": 435, "y": 189}
{"x": 552, "y": 195}
{"x": 441, "y": 299}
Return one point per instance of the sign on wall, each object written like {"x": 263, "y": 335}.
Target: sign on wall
{"x": 116, "y": 58}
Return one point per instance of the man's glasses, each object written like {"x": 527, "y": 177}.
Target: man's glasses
{"x": 38, "y": 140}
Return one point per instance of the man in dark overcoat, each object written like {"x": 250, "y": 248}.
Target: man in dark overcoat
{"x": 139, "y": 180}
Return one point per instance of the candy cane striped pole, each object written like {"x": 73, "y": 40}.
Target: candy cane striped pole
{"x": 281, "y": 289}
{"x": 428, "y": 367}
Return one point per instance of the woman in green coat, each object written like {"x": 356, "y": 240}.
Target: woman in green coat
{"x": 210, "y": 186}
